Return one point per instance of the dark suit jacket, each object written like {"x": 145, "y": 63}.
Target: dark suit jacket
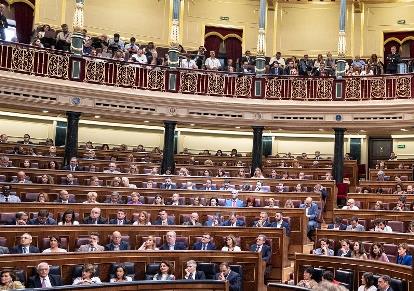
{"x": 210, "y": 246}
{"x": 19, "y": 250}
{"x": 239, "y": 222}
{"x": 67, "y": 168}
{"x": 199, "y": 275}
{"x": 171, "y": 187}
{"x": 35, "y": 221}
{"x": 234, "y": 280}
{"x": 115, "y": 221}
{"x": 340, "y": 253}
{"x": 34, "y": 281}
{"x": 284, "y": 225}
{"x": 266, "y": 252}
{"x": 211, "y": 188}
{"x": 177, "y": 247}
{"x": 70, "y": 200}
{"x": 276, "y": 71}
{"x": 122, "y": 247}
{"x": 89, "y": 220}
{"x": 267, "y": 223}
{"x": 341, "y": 226}
{"x": 169, "y": 221}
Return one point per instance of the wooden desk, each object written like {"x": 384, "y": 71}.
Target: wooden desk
{"x": 253, "y": 273}
{"x": 388, "y": 187}
{"x": 392, "y": 173}
{"x": 367, "y": 201}
{"x": 358, "y": 267}
{"x": 298, "y": 220}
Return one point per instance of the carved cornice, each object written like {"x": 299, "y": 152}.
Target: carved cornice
{"x": 32, "y": 93}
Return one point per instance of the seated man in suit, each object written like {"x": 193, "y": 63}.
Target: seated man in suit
{"x": 312, "y": 213}
{"x": 234, "y": 201}
{"x": 21, "y": 178}
{"x": 163, "y": 218}
{"x": 355, "y": 226}
{"x": 324, "y": 249}
{"x": 117, "y": 244}
{"x": 191, "y": 272}
{"x": 115, "y": 198}
{"x": 42, "y": 219}
{"x": 25, "y": 246}
{"x": 384, "y": 283}
{"x": 93, "y": 245}
{"x": 337, "y": 225}
{"x": 70, "y": 180}
{"x": 205, "y": 244}
{"x": 6, "y": 196}
{"x": 194, "y": 217}
{"x": 175, "y": 199}
{"x": 43, "y": 279}
{"x": 95, "y": 217}
{"x": 226, "y": 274}
{"x": 216, "y": 220}
{"x": 189, "y": 186}
{"x": 64, "y": 197}
{"x": 345, "y": 250}
{"x": 259, "y": 187}
{"x": 171, "y": 243}
{"x": 226, "y": 186}
{"x": 233, "y": 221}
{"x": 21, "y": 218}
{"x": 262, "y": 248}
{"x": 280, "y": 223}
{"x": 112, "y": 169}
{"x": 120, "y": 218}
{"x": 73, "y": 165}
{"x": 263, "y": 220}
{"x": 168, "y": 185}
{"x": 209, "y": 186}
{"x": 26, "y": 139}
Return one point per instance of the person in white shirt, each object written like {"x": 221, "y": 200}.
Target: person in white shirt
{"x": 279, "y": 59}
{"x": 350, "y": 205}
{"x": 140, "y": 57}
{"x": 120, "y": 275}
{"x": 54, "y": 242}
{"x": 112, "y": 169}
{"x": 188, "y": 63}
{"x": 231, "y": 244}
{"x": 381, "y": 226}
{"x": 212, "y": 63}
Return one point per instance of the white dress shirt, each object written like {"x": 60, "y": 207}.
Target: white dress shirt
{"x": 212, "y": 64}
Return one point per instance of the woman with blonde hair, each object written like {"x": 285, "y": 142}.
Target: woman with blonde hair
{"x": 149, "y": 244}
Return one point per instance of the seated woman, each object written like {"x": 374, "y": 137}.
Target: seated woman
{"x": 258, "y": 173}
{"x": 68, "y": 218}
{"x": 358, "y": 251}
{"x": 52, "y": 165}
{"x": 403, "y": 258}
{"x": 26, "y": 164}
{"x": 307, "y": 281}
{"x": 149, "y": 245}
{"x": 250, "y": 202}
{"x": 376, "y": 253}
{"x": 116, "y": 182}
{"x": 289, "y": 204}
{"x": 158, "y": 200}
{"x": 87, "y": 278}
{"x": 381, "y": 226}
{"x": 410, "y": 228}
{"x": 91, "y": 198}
{"x": 164, "y": 273}
{"x": 367, "y": 282}
{"x": 213, "y": 201}
{"x": 42, "y": 197}
{"x": 241, "y": 173}
{"x": 299, "y": 188}
{"x": 379, "y": 205}
{"x": 46, "y": 179}
{"x": 196, "y": 202}
{"x": 133, "y": 169}
{"x": 94, "y": 181}
{"x": 142, "y": 219}
{"x": 54, "y": 242}
{"x": 271, "y": 203}
{"x": 120, "y": 275}
{"x": 221, "y": 173}
{"x": 230, "y": 244}
{"x": 8, "y": 281}
{"x": 135, "y": 199}
{"x": 219, "y": 153}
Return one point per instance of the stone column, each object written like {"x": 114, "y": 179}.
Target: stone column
{"x": 261, "y": 39}
{"x": 77, "y": 39}
{"x": 168, "y": 162}
{"x": 71, "y": 144}
{"x": 338, "y": 164}
{"x": 174, "y": 35}
{"x": 257, "y": 151}
{"x": 341, "y": 65}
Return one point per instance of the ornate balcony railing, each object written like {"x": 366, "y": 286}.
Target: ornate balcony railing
{"x": 56, "y": 64}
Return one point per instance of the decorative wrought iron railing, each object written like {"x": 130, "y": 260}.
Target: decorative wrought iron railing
{"x": 57, "y": 64}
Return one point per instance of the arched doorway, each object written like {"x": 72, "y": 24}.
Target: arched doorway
{"x": 404, "y": 41}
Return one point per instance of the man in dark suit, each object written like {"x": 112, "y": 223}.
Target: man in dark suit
{"x": 73, "y": 165}
{"x": 226, "y": 274}
{"x": 95, "y": 217}
{"x": 345, "y": 250}
{"x": 64, "y": 197}
{"x": 337, "y": 225}
{"x": 163, "y": 218}
{"x": 168, "y": 185}
{"x": 312, "y": 213}
{"x": 42, "y": 219}
{"x": 384, "y": 283}
{"x": 25, "y": 246}
{"x": 205, "y": 244}
{"x": 263, "y": 220}
{"x": 171, "y": 243}
{"x": 120, "y": 218}
{"x": 191, "y": 272}
{"x": 117, "y": 244}
{"x": 392, "y": 61}
{"x": 233, "y": 221}
{"x": 261, "y": 247}
{"x": 209, "y": 186}
{"x": 280, "y": 223}
{"x": 43, "y": 279}
{"x": 276, "y": 69}
{"x": 26, "y": 139}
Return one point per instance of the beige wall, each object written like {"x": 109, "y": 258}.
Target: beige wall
{"x": 408, "y": 151}
{"x": 15, "y": 128}
{"x": 298, "y": 145}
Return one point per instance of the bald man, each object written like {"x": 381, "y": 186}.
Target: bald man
{"x": 117, "y": 244}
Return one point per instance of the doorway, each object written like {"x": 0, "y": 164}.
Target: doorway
{"x": 378, "y": 149}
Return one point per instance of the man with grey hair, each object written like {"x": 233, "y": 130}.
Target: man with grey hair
{"x": 43, "y": 279}
{"x": 384, "y": 283}
{"x": 234, "y": 201}
{"x": 191, "y": 272}
{"x": 171, "y": 243}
